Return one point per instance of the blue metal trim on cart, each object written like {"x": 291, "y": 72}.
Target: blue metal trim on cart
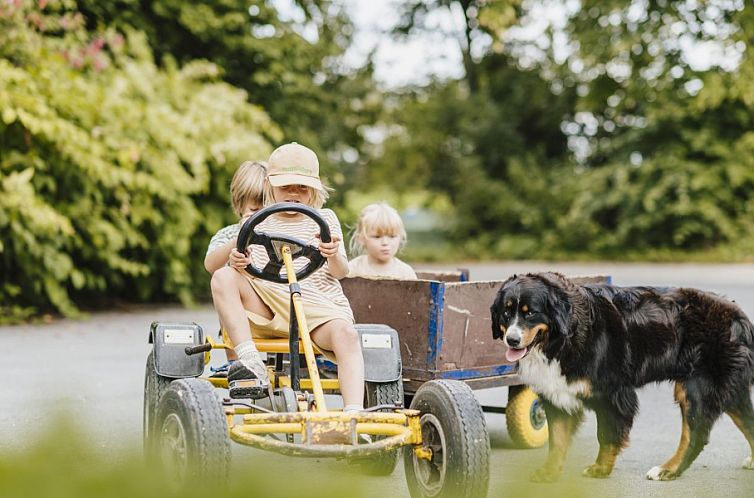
{"x": 437, "y": 304}
{"x": 477, "y": 373}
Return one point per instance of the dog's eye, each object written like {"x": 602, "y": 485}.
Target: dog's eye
{"x": 529, "y": 313}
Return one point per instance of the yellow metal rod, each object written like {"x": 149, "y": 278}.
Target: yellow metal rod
{"x": 381, "y": 429}
{"x": 303, "y": 330}
{"x": 297, "y": 417}
{"x": 321, "y": 450}
{"x": 289, "y": 428}
{"x": 295, "y": 428}
{"x": 329, "y": 384}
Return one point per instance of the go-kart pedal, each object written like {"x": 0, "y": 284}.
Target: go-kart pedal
{"x": 243, "y": 383}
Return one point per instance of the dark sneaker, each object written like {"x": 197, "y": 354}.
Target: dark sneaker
{"x": 244, "y": 383}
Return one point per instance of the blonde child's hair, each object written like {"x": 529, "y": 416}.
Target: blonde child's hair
{"x": 319, "y": 197}
{"x": 381, "y": 218}
{"x": 247, "y": 185}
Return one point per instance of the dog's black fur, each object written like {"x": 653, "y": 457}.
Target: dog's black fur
{"x": 592, "y": 346}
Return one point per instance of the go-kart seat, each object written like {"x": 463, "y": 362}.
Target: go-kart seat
{"x": 279, "y": 345}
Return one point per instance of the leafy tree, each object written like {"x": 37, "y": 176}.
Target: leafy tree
{"x": 494, "y": 154}
{"x": 289, "y": 62}
{"x": 670, "y": 139}
{"x": 113, "y": 172}
{"x": 483, "y": 24}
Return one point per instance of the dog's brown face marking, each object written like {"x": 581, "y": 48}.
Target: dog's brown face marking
{"x": 531, "y": 333}
{"x": 524, "y": 309}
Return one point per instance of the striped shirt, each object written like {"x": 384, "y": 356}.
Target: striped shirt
{"x": 304, "y": 228}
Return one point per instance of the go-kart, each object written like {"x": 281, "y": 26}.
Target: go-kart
{"x": 189, "y": 421}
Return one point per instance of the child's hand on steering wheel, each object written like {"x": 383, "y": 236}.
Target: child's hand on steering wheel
{"x": 329, "y": 249}
{"x": 239, "y": 260}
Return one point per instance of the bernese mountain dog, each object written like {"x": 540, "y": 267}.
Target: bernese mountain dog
{"x": 591, "y": 346}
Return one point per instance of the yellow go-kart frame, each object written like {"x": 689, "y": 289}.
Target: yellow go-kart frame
{"x": 314, "y": 422}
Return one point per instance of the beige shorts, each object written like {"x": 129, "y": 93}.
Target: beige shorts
{"x": 317, "y": 310}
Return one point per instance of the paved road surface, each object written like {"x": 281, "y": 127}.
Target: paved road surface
{"x": 93, "y": 370}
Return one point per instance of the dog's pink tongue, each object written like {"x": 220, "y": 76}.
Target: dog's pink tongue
{"x": 514, "y": 354}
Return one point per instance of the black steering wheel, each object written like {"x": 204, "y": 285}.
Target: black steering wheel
{"x": 273, "y": 243}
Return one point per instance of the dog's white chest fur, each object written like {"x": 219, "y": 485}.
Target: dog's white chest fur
{"x": 545, "y": 377}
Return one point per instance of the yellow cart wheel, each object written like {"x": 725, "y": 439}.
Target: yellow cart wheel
{"x": 525, "y": 418}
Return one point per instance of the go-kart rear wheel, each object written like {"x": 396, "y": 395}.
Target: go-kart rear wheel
{"x": 285, "y": 401}
{"x": 525, "y": 418}
{"x": 382, "y": 393}
{"x": 192, "y": 433}
{"x": 454, "y": 430}
{"x": 155, "y": 386}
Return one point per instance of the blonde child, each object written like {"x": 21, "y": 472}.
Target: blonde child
{"x": 379, "y": 234}
{"x": 241, "y": 300}
{"x": 246, "y": 198}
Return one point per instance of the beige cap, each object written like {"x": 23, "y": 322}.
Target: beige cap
{"x": 293, "y": 164}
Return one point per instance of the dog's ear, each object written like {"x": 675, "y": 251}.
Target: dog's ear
{"x": 495, "y": 315}
{"x": 559, "y": 310}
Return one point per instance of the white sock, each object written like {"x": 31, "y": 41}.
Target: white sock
{"x": 249, "y": 357}
{"x": 353, "y": 408}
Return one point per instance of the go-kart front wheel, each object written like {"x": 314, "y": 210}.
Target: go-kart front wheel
{"x": 192, "y": 433}
{"x": 155, "y": 386}
{"x": 454, "y": 430}
{"x": 382, "y": 393}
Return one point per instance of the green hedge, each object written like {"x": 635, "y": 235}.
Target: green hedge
{"x": 114, "y": 172}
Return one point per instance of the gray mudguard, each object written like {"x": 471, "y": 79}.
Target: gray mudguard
{"x": 382, "y": 352}
{"x": 170, "y": 341}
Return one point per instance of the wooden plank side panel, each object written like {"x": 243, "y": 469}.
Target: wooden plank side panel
{"x": 466, "y": 333}
{"x": 404, "y": 305}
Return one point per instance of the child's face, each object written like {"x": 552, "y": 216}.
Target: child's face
{"x": 293, "y": 193}
{"x": 250, "y": 209}
{"x": 381, "y": 246}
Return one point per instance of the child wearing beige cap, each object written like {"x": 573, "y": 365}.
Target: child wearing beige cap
{"x": 242, "y": 300}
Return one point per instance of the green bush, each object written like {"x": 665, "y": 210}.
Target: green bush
{"x": 114, "y": 172}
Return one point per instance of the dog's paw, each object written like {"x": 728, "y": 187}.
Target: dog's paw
{"x": 543, "y": 474}
{"x": 597, "y": 471}
{"x": 660, "y": 474}
{"x": 748, "y": 463}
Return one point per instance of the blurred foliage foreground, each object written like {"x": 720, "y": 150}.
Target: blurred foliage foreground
{"x": 64, "y": 464}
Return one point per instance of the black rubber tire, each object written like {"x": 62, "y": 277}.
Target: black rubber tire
{"x": 192, "y": 433}
{"x": 453, "y": 427}
{"x": 155, "y": 386}
{"x": 382, "y": 393}
{"x": 285, "y": 400}
{"x": 525, "y": 418}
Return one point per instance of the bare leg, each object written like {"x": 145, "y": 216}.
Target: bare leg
{"x": 232, "y": 295}
{"x": 341, "y": 338}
